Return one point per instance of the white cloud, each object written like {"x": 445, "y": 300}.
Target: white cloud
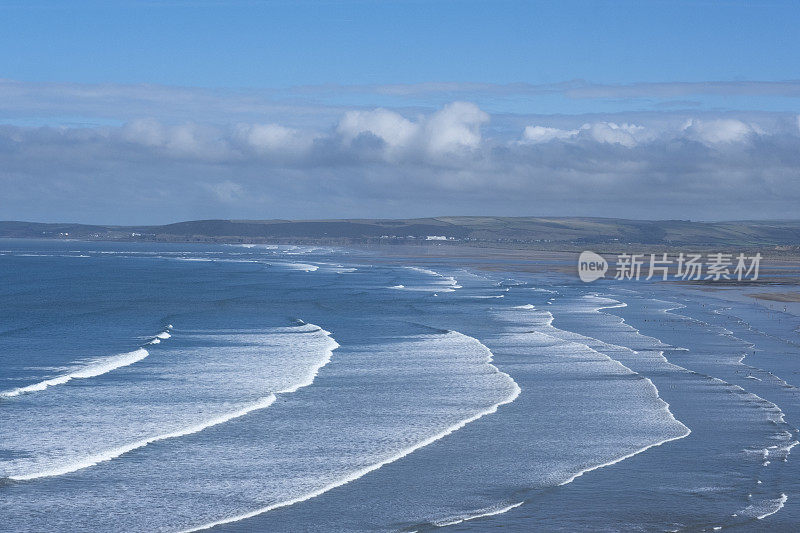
{"x": 453, "y": 128}
{"x": 395, "y": 130}
{"x": 456, "y": 126}
{"x": 425, "y": 162}
{"x": 600, "y": 132}
{"x": 273, "y": 138}
{"x": 612, "y": 133}
{"x": 148, "y": 132}
{"x": 180, "y": 140}
{"x": 540, "y": 134}
{"x": 720, "y": 131}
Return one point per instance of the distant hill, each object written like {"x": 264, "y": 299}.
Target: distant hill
{"x": 541, "y": 232}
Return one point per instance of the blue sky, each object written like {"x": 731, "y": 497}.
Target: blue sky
{"x": 493, "y": 107}
{"x": 286, "y": 43}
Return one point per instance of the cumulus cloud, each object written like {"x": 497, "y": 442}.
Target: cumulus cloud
{"x": 182, "y": 140}
{"x": 273, "y": 139}
{"x": 601, "y": 132}
{"x": 721, "y": 131}
{"x": 392, "y": 128}
{"x": 455, "y": 127}
{"x": 384, "y": 162}
{"x": 452, "y": 129}
{"x": 540, "y": 134}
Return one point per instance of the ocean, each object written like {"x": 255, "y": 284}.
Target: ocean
{"x": 185, "y": 387}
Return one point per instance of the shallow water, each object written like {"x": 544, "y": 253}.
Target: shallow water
{"x": 282, "y": 388}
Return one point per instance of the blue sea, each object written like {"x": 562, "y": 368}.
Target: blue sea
{"x": 185, "y": 387}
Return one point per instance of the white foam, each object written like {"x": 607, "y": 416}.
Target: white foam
{"x": 545, "y": 329}
{"x": 492, "y": 511}
{"x": 424, "y": 270}
{"x": 514, "y": 393}
{"x": 304, "y": 267}
{"x": 96, "y": 368}
{"x": 764, "y": 508}
{"x": 314, "y": 370}
{"x": 108, "y": 455}
{"x": 88, "y": 457}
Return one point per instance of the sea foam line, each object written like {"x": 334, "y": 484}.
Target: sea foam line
{"x": 672, "y": 306}
{"x": 777, "y": 504}
{"x": 261, "y": 403}
{"x": 96, "y": 368}
{"x": 479, "y": 514}
{"x": 113, "y": 453}
{"x": 366, "y": 470}
{"x": 687, "y": 431}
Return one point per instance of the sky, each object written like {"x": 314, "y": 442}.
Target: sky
{"x": 148, "y": 112}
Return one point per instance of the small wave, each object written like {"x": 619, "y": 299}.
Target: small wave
{"x": 526, "y": 306}
{"x": 314, "y": 370}
{"x": 764, "y": 508}
{"x": 424, "y": 270}
{"x": 303, "y": 267}
{"x": 113, "y": 453}
{"x": 491, "y": 511}
{"x": 261, "y": 403}
{"x": 95, "y": 368}
{"x": 514, "y": 393}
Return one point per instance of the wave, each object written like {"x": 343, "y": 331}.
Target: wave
{"x": 445, "y": 284}
{"x": 514, "y": 393}
{"x": 424, "y": 270}
{"x": 764, "y": 508}
{"x": 260, "y": 403}
{"x": 773, "y": 413}
{"x": 546, "y": 328}
{"x": 304, "y": 267}
{"x": 113, "y": 453}
{"x": 491, "y": 511}
{"x": 314, "y": 370}
{"x": 95, "y": 368}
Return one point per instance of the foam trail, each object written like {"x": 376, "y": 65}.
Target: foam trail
{"x": 312, "y": 374}
{"x": 261, "y": 403}
{"x": 94, "y": 369}
{"x": 763, "y": 509}
{"x": 686, "y": 430}
{"x": 480, "y": 514}
{"x": 366, "y": 470}
{"x": 108, "y": 455}
{"x": 628, "y": 456}
{"x": 424, "y": 270}
{"x": 97, "y": 368}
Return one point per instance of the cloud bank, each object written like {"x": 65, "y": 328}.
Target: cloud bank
{"x": 153, "y": 155}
